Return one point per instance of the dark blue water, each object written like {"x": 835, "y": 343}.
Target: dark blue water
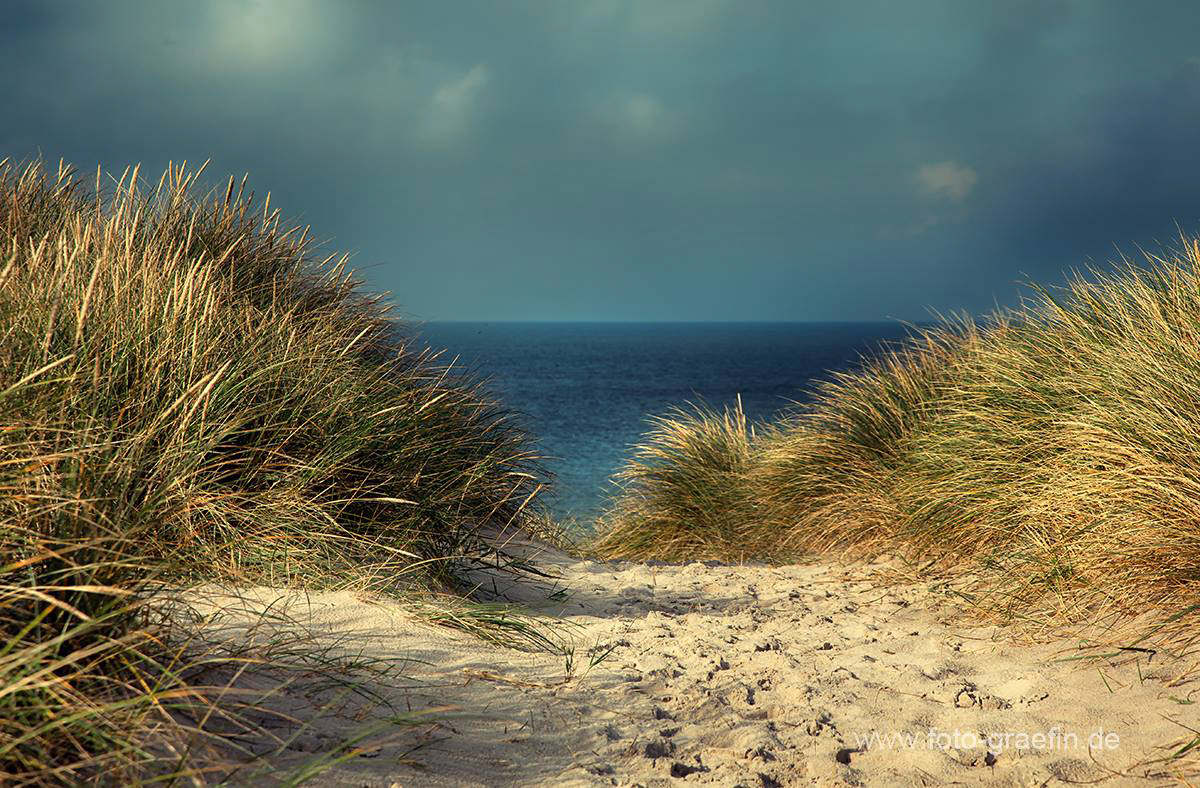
{"x": 586, "y": 389}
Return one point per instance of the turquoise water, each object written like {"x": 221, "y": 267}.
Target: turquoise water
{"x": 585, "y": 390}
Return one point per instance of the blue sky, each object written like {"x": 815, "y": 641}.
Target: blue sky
{"x": 649, "y": 159}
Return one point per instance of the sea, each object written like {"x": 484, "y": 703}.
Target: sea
{"x": 585, "y": 391}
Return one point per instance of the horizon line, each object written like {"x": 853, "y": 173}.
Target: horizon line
{"x": 666, "y": 322}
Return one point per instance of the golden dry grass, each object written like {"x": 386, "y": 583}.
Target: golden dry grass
{"x": 686, "y": 491}
{"x": 1051, "y": 451}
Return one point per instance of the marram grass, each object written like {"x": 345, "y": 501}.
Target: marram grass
{"x": 1051, "y": 451}
{"x": 189, "y": 394}
{"x": 686, "y": 492}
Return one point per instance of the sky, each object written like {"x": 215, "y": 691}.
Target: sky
{"x": 648, "y": 159}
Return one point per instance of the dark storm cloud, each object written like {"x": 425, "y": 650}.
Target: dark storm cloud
{"x": 698, "y": 159}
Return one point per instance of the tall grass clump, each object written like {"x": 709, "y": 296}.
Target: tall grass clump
{"x": 685, "y": 492}
{"x": 1052, "y": 451}
{"x": 189, "y": 393}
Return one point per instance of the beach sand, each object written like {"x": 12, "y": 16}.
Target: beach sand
{"x": 743, "y": 675}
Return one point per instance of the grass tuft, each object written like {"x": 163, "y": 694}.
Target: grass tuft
{"x": 685, "y": 493}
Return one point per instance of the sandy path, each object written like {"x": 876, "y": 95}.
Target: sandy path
{"x": 759, "y": 676}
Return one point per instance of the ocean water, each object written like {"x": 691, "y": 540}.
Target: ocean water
{"x": 585, "y": 390}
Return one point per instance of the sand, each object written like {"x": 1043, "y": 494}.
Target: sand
{"x": 745, "y": 675}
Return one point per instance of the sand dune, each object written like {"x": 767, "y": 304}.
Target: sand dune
{"x": 755, "y": 676}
